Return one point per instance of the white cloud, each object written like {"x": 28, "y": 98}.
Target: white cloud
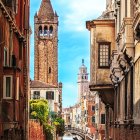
{"x": 80, "y": 11}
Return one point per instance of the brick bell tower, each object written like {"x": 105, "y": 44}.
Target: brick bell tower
{"x": 46, "y": 44}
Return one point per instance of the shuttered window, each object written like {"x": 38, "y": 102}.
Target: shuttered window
{"x": 50, "y": 95}
{"x": 36, "y": 95}
{"x": 93, "y": 119}
{"x": 7, "y": 86}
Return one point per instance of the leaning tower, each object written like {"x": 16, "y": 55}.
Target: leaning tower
{"x": 46, "y": 44}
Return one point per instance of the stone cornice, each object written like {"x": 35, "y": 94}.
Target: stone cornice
{"x": 94, "y": 23}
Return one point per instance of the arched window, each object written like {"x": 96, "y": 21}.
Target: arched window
{"x": 40, "y": 30}
{"x": 51, "y": 30}
{"x": 50, "y": 70}
{"x": 45, "y": 30}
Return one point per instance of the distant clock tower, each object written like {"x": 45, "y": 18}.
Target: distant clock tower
{"x": 46, "y": 44}
{"x": 83, "y": 83}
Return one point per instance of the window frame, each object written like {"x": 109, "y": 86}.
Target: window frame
{"x": 34, "y": 94}
{"x": 4, "y": 86}
{"x": 50, "y": 96}
{"x": 93, "y": 118}
{"x": 93, "y": 108}
{"x": 17, "y": 88}
{"x": 109, "y": 50}
{"x": 103, "y": 116}
{"x": 5, "y": 57}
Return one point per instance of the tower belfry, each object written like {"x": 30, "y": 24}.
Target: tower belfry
{"x": 46, "y": 44}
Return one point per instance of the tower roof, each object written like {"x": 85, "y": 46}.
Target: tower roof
{"x": 83, "y": 65}
{"x": 46, "y": 10}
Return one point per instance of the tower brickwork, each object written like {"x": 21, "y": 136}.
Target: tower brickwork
{"x": 46, "y": 44}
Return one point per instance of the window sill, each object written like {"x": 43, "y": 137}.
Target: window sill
{"x": 102, "y": 67}
{"x": 7, "y": 98}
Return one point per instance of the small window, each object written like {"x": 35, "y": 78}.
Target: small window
{"x": 93, "y": 119}
{"x": 104, "y": 55}
{"x": 7, "y": 87}
{"x": 50, "y": 70}
{"x": 102, "y": 118}
{"x": 45, "y": 30}
{"x": 93, "y": 108}
{"x": 36, "y": 95}
{"x": 5, "y": 57}
{"x": 59, "y": 99}
{"x": 50, "y": 95}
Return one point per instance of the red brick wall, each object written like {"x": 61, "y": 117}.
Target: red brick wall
{"x": 16, "y": 109}
{"x": 36, "y": 131}
{"x": 123, "y": 132}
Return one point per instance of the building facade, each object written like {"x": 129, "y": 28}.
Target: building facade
{"x": 14, "y": 69}
{"x": 41, "y": 90}
{"x": 115, "y": 55}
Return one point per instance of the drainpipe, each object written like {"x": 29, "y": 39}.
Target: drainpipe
{"x": 107, "y": 122}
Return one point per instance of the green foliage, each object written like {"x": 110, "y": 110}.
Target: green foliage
{"x": 39, "y": 110}
{"x": 60, "y": 126}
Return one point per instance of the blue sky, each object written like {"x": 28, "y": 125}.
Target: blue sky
{"x": 74, "y": 40}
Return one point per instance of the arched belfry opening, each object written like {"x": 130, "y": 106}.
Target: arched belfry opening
{"x": 40, "y": 32}
{"x": 46, "y": 30}
{"x": 51, "y": 30}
